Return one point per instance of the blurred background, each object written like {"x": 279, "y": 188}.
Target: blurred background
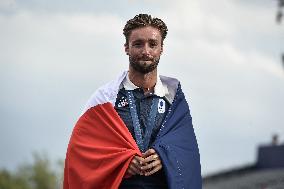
{"x": 228, "y": 55}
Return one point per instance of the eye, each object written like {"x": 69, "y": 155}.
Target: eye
{"x": 137, "y": 44}
{"x": 153, "y": 44}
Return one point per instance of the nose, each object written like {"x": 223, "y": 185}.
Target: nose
{"x": 146, "y": 50}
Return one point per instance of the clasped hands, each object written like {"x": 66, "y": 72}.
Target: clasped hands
{"x": 146, "y": 165}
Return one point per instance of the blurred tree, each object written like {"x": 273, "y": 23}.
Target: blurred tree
{"x": 279, "y": 14}
{"x": 42, "y": 176}
{"x": 8, "y": 181}
{"x": 38, "y": 175}
{"x": 279, "y": 17}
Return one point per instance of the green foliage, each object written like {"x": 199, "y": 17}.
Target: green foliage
{"x": 38, "y": 175}
{"x": 8, "y": 181}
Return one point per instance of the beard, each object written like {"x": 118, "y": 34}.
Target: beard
{"x": 140, "y": 64}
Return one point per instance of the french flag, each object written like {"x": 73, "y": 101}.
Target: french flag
{"x": 101, "y": 147}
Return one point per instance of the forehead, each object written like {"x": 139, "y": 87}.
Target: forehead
{"x": 145, "y": 33}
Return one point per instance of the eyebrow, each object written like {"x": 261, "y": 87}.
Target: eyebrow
{"x": 142, "y": 40}
{"x": 153, "y": 40}
{"x": 138, "y": 40}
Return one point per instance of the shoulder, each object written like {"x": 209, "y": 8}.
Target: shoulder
{"x": 172, "y": 85}
{"x": 106, "y": 93}
{"x": 170, "y": 82}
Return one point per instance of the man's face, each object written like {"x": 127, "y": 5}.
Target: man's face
{"x": 144, "y": 49}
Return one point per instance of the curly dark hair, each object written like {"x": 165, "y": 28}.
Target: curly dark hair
{"x": 143, "y": 20}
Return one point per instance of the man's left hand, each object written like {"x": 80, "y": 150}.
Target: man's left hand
{"x": 152, "y": 162}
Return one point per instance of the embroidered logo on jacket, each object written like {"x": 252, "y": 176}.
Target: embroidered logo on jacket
{"x": 161, "y": 106}
{"x": 122, "y": 102}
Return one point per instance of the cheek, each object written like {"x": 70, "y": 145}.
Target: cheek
{"x": 135, "y": 53}
{"x": 157, "y": 53}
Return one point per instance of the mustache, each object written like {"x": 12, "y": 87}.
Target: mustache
{"x": 145, "y": 58}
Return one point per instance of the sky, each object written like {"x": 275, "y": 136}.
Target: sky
{"x": 226, "y": 54}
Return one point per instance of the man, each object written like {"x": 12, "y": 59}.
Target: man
{"x": 136, "y": 131}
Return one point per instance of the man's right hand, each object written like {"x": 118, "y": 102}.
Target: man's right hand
{"x": 134, "y": 167}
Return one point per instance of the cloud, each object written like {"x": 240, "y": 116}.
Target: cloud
{"x": 100, "y": 25}
{"x": 225, "y": 56}
{"x": 225, "y": 53}
{"x": 49, "y": 66}
{"x": 7, "y": 4}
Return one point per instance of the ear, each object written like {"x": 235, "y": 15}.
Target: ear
{"x": 126, "y": 48}
{"x": 162, "y": 49}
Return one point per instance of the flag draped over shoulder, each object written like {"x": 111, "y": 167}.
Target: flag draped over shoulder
{"x": 177, "y": 146}
{"x": 101, "y": 147}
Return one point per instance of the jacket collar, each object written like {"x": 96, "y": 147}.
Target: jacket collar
{"x": 159, "y": 89}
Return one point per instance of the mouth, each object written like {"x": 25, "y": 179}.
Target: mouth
{"x": 145, "y": 61}
{"x": 145, "y": 58}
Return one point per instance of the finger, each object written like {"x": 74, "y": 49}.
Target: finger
{"x": 135, "y": 166}
{"x": 148, "y": 152}
{"x": 134, "y": 170}
{"x": 151, "y": 158}
{"x": 130, "y": 172}
{"x": 151, "y": 165}
{"x": 134, "y": 162}
{"x": 157, "y": 168}
{"x": 139, "y": 160}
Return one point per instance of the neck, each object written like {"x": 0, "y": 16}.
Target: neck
{"x": 145, "y": 81}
